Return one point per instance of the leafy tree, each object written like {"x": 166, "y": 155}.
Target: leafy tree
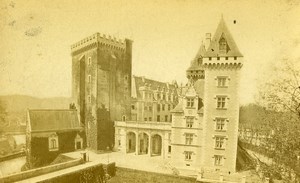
{"x": 3, "y": 115}
{"x": 281, "y": 93}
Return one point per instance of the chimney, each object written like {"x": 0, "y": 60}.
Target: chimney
{"x": 207, "y": 40}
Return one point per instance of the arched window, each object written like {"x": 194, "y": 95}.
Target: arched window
{"x": 223, "y": 45}
{"x": 123, "y": 118}
{"x": 53, "y": 142}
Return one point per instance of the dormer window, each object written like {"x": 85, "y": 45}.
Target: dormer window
{"x": 222, "y": 45}
{"x": 190, "y": 102}
{"x": 200, "y": 61}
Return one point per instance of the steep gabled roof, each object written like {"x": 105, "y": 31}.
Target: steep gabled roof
{"x": 139, "y": 81}
{"x": 53, "y": 120}
{"x": 195, "y": 65}
{"x": 213, "y": 49}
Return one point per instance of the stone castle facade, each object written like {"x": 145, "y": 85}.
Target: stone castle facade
{"x": 101, "y": 86}
{"x": 205, "y": 123}
{"x": 203, "y": 133}
{"x": 152, "y": 100}
{"x": 195, "y": 126}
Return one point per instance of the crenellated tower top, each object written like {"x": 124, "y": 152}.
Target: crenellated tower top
{"x": 99, "y": 39}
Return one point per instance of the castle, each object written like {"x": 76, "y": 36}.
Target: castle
{"x": 204, "y": 129}
{"x": 196, "y": 128}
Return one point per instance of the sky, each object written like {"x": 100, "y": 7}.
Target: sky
{"x": 35, "y": 38}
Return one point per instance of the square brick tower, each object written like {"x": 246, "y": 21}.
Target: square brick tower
{"x": 101, "y": 86}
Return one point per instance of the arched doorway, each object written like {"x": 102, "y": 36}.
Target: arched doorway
{"x": 156, "y": 145}
{"x": 143, "y": 143}
{"x": 130, "y": 144}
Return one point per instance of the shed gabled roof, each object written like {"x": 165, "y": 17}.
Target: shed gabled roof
{"x": 213, "y": 49}
{"x": 42, "y": 120}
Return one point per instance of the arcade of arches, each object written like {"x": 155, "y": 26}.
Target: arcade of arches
{"x": 143, "y": 144}
{"x": 142, "y": 139}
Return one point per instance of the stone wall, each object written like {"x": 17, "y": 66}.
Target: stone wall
{"x": 40, "y": 171}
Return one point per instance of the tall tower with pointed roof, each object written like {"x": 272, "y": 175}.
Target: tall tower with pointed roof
{"x": 205, "y": 135}
{"x": 222, "y": 62}
{"x": 196, "y": 70}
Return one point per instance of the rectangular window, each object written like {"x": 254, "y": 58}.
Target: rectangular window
{"x": 163, "y": 107}
{"x": 150, "y": 108}
{"x": 220, "y": 143}
{"x": 164, "y": 96}
{"x": 158, "y": 118}
{"x": 209, "y": 58}
{"x": 188, "y": 155}
{"x": 218, "y": 58}
{"x": 150, "y": 118}
{"x": 132, "y": 106}
{"x": 158, "y": 107}
{"x": 226, "y": 58}
{"x": 169, "y": 149}
{"x": 89, "y": 61}
{"x": 169, "y": 107}
{"x": 190, "y": 102}
{"x": 89, "y": 78}
{"x": 220, "y": 124}
{"x": 145, "y": 119}
{"x": 158, "y": 96}
{"x": 218, "y": 160}
{"x": 166, "y": 118}
{"x": 221, "y": 102}
{"x": 189, "y": 138}
{"x": 222, "y": 81}
{"x": 189, "y": 122}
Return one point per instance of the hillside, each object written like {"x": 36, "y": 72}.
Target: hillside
{"x": 17, "y": 105}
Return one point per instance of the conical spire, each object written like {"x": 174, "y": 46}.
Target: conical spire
{"x": 222, "y": 43}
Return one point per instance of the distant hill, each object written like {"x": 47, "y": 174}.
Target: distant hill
{"x": 17, "y": 105}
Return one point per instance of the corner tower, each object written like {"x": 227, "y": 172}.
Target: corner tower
{"x": 101, "y": 86}
{"x": 222, "y": 62}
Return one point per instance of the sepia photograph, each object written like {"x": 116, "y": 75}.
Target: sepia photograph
{"x": 131, "y": 91}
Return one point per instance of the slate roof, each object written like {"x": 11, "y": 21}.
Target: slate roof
{"x": 179, "y": 107}
{"x": 138, "y": 81}
{"x": 213, "y": 49}
{"x": 195, "y": 65}
{"x": 53, "y": 120}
